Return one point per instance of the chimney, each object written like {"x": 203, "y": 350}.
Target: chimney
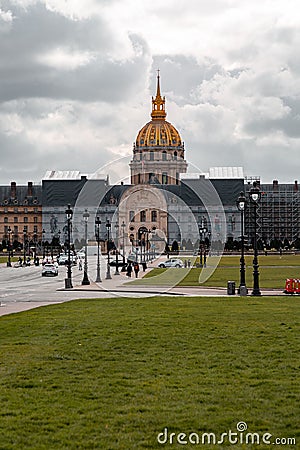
{"x": 29, "y": 189}
{"x": 13, "y": 189}
{"x": 296, "y": 186}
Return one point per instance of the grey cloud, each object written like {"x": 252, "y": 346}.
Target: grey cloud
{"x": 182, "y": 75}
{"x": 37, "y": 30}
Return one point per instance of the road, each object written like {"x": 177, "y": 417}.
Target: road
{"x": 24, "y": 288}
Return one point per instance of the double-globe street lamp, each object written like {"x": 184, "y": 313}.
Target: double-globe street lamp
{"x": 68, "y": 280}
{"x": 241, "y": 204}
{"x": 254, "y": 195}
{"x": 97, "y": 233}
{"x": 117, "y": 243}
{"x": 108, "y": 227}
{"x": 85, "y": 280}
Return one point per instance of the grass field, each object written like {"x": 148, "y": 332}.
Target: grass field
{"x": 273, "y": 272}
{"x": 114, "y": 373}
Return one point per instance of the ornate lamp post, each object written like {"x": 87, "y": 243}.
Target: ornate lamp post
{"x": 97, "y": 226}
{"x": 24, "y": 246}
{"x": 43, "y": 242}
{"x": 9, "y": 233}
{"x": 202, "y": 231}
{"x": 108, "y": 227}
{"x": 117, "y": 242}
{"x": 149, "y": 244}
{"x": 68, "y": 280}
{"x": 123, "y": 225}
{"x": 85, "y": 280}
{"x": 241, "y": 204}
{"x": 254, "y": 195}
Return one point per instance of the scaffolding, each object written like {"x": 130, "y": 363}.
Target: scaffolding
{"x": 277, "y": 214}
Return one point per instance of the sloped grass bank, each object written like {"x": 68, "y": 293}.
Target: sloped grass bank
{"x": 113, "y": 373}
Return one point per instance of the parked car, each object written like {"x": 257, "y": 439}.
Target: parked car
{"x": 63, "y": 259}
{"x": 113, "y": 262}
{"x": 49, "y": 270}
{"x": 174, "y": 262}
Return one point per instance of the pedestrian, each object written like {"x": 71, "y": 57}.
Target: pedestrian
{"x": 189, "y": 263}
{"x": 80, "y": 264}
{"x": 144, "y": 266}
{"x": 129, "y": 270}
{"x": 136, "y": 269}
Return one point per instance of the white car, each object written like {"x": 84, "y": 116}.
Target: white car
{"x": 50, "y": 270}
{"x": 174, "y": 262}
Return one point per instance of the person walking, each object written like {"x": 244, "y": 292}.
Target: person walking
{"x": 129, "y": 270}
{"x": 136, "y": 269}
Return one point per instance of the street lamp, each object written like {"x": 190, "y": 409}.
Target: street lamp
{"x": 117, "y": 243}
{"x": 43, "y": 242}
{"x": 241, "y": 204}
{"x": 68, "y": 280}
{"x": 24, "y": 246}
{"x": 9, "y": 233}
{"x": 202, "y": 231}
{"x": 85, "y": 280}
{"x": 123, "y": 225}
{"x": 254, "y": 195}
{"x": 97, "y": 225}
{"x": 108, "y": 226}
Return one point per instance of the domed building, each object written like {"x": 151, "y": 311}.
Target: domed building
{"x": 158, "y": 152}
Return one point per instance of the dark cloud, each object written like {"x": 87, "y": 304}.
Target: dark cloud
{"x": 36, "y": 32}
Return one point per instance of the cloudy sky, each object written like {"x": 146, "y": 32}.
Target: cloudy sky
{"x": 76, "y": 79}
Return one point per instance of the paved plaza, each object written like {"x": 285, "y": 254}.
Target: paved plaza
{"x": 24, "y": 288}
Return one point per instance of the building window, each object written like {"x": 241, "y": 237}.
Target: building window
{"x": 16, "y": 229}
{"x": 35, "y": 229}
{"x": 5, "y": 230}
{"x": 143, "y": 216}
{"x": 164, "y": 156}
{"x": 25, "y": 210}
{"x": 5, "y": 210}
{"x": 5, "y": 219}
{"x": 131, "y": 216}
{"x": 16, "y": 210}
{"x": 151, "y": 156}
{"x": 15, "y": 219}
{"x": 25, "y": 219}
{"x": 164, "y": 178}
{"x": 35, "y": 210}
{"x": 175, "y": 156}
{"x": 153, "y": 216}
{"x": 35, "y": 220}
{"x": 25, "y": 228}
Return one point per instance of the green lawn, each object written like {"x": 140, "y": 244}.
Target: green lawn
{"x": 273, "y": 272}
{"x": 113, "y": 373}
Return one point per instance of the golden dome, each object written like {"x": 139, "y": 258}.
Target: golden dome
{"x": 158, "y": 132}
